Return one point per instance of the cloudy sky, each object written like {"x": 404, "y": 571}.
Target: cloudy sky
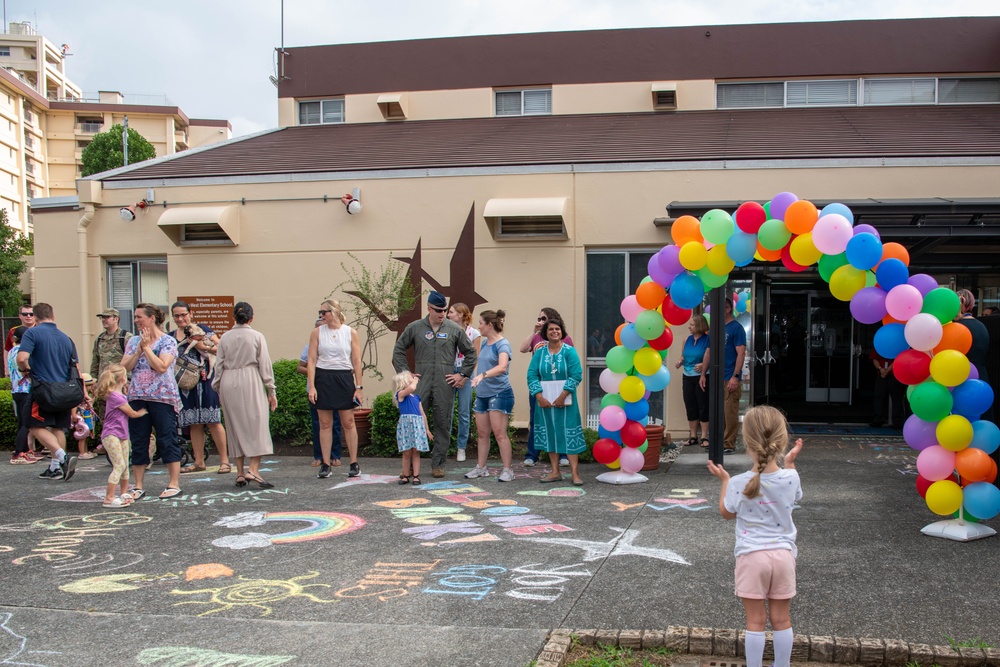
{"x": 213, "y": 57}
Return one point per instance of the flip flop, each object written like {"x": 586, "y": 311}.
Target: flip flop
{"x": 224, "y": 469}
{"x": 137, "y": 494}
{"x": 191, "y": 467}
{"x": 170, "y": 492}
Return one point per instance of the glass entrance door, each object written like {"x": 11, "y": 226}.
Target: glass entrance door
{"x": 830, "y": 358}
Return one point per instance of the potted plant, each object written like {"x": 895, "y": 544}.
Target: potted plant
{"x": 375, "y": 300}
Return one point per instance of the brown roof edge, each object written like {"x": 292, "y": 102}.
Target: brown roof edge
{"x": 211, "y": 122}
{"x": 24, "y": 88}
{"x": 836, "y": 48}
{"x": 121, "y": 108}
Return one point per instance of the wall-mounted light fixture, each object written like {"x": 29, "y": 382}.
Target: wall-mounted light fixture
{"x": 352, "y": 201}
{"x": 127, "y": 213}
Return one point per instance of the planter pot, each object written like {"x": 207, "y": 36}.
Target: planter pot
{"x": 654, "y": 436}
{"x": 364, "y": 426}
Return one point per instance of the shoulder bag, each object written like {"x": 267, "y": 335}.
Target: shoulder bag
{"x": 187, "y": 372}
{"x": 59, "y": 396}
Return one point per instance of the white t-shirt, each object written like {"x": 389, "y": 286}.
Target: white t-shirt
{"x": 765, "y": 522}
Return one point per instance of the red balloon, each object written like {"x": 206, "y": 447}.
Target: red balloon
{"x": 665, "y": 340}
{"x": 786, "y": 259}
{"x": 633, "y": 434}
{"x": 606, "y": 451}
{"x": 750, "y": 216}
{"x": 673, "y": 314}
{"x": 912, "y": 367}
{"x": 922, "y": 482}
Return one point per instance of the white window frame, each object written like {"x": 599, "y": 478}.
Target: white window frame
{"x": 525, "y": 93}
{"x": 327, "y": 116}
{"x": 4, "y": 50}
{"x": 822, "y": 93}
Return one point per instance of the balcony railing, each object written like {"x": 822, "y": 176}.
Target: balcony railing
{"x": 29, "y": 169}
{"x": 90, "y": 127}
{"x": 29, "y": 117}
{"x": 29, "y": 142}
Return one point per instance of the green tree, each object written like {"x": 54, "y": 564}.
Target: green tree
{"x": 12, "y": 247}
{"x": 105, "y": 151}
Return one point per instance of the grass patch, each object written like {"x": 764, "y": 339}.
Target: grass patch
{"x": 606, "y": 655}
{"x": 968, "y": 643}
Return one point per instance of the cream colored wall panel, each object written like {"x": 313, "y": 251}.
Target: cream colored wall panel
{"x": 287, "y": 108}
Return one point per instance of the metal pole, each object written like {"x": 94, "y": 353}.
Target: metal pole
{"x": 125, "y": 139}
{"x": 716, "y": 369}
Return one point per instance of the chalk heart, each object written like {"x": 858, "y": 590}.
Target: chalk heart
{"x": 207, "y": 571}
{"x": 565, "y": 492}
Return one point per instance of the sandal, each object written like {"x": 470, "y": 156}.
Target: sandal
{"x": 416, "y": 480}
{"x": 170, "y": 492}
{"x": 241, "y": 481}
{"x": 254, "y": 478}
{"x": 316, "y": 463}
{"x": 136, "y": 494}
{"x": 404, "y": 479}
{"x": 192, "y": 467}
{"x": 704, "y": 443}
{"x": 224, "y": 468}
{"x": 335, "y": 463}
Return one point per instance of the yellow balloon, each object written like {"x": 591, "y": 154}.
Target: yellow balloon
{"x": 954, "y": 432}
{"x": 718, "y": 261}
{"x": 803, "y": 250}
{"x": 632, "y": 388}
{"x": 950, "y": 368}
{"x": 846, "y": 281}
{"x": 647, "y": 361}
{"x": 944, "y": 497}
{"x": 692, "y": 256}
{"x": 615, "y": 465}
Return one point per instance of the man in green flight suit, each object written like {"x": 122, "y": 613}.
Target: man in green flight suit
{"x": 435, "y": 340}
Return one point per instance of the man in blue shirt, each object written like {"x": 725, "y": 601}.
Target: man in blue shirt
{"x": 735, "y": 350}
{"x": 47, "y": 355}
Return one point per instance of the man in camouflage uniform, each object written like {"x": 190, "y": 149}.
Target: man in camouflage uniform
{"x": 108, "y": 349}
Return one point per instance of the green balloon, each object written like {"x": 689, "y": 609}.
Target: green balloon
{"x": 830, "y": 263}
{"x": 870, "y": 279}
{"x": 612, "y": 399}
{"x": 619, "y": 359}
{"x": 643, "y": 447}
{"x": 931, "y": 401}
{"x": 709, "y": 279}
{"x": 649, "y": 324}
{"x": 717, "y": 226}
{"x": 774, "y": 235}
{"x": 942, "y": 303}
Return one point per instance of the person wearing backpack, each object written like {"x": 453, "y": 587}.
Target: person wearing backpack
{"x": 109, "y": 348}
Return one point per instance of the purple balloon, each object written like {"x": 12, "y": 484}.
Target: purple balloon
{"x": 868, "y": 305}
{"x": 657, "y": 273}
{"x": 780, "y": 204}
{"x": 973, "y": 373}
{"x": 919, "y": 434}
{"x": 669, "y": 258}
{"x": 867, "y": 229}
{"x": 923, "y": 282}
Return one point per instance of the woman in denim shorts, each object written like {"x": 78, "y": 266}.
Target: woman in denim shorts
{"x": 494, "y": 395}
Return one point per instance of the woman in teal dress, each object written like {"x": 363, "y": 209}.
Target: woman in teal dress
{"x": 558, "y": 429}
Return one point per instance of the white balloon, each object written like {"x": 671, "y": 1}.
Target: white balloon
{"x": 923, "y": 332}
{"x": 610, "y": 381}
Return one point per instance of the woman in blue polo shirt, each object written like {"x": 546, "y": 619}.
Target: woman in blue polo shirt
{"x": 695, "y": 397}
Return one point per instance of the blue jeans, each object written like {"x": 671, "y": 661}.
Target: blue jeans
{"x": 464, "y": 398}
{"x": 531, "y": 452}
{"x": 335, "y": 447}
{"x": 161, "y": 417}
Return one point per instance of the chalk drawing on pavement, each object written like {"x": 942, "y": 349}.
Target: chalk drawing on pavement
{"x": 187, "y": 656}
{"x": 317, "y": 526}
{"x": 258, "y": 593}
{"x": 12, "y": 645}
{"x": 621, "y": 545}
{"x": 119, "y": 583}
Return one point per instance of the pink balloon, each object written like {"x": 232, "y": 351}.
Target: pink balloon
{"x": 613, "y": 418}
{"x": 903, "y": 302}
{"x": 936, "y": 463}
{"x": 831, "y": 234}
{"x": 632, "y": 460}
{"x": 630, "y": 308}
{"x": 923, "y": 332}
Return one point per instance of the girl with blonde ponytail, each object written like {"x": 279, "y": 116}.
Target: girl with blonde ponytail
{"x": 761, "y": 500}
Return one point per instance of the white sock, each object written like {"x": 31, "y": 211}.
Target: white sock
{"x": 59, "y": 456}
{"x": 782, "y": 647}
{"x": 755, "y": 648}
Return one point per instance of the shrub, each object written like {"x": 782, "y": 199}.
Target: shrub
{"x": 590, "y": 436}
{"x": 5, "y": 384}
{"x": 291, "y": 419}
{"x": 8, "y": 422}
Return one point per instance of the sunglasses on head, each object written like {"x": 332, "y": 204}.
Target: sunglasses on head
{"x": 437, "y": 310}
{"x": 322, "y": 313}
{"x": 542, "y": 318}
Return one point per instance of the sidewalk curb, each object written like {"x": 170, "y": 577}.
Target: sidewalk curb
{"x": 865, "y": 651}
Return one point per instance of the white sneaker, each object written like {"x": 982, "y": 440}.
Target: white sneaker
{"x": 506, "y": 476}
{"x": 477, "y": 472}
{"x": 460, "y": 456}
{"x": 529, "y": 462}
{"x": 563, "y": 463}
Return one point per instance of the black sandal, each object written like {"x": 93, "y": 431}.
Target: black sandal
{"x": 404, "y": 479}
{"x": 692, "y": 441}
{"x": 416, "y": 480}
{"x": 260, "y": 482}
{"x": 241, "y": 481}
{"x": 704, "y": 443}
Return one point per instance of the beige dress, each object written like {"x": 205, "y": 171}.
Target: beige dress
{"x": 243, "y": 375}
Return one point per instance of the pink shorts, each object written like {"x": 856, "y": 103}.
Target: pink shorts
{"x": 766, "y": 575}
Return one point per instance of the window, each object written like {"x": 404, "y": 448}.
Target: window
{"x": 321, "y": 112}
{"x": 749, "y": 95}
{"x": 529, "y": 102}
{"x": 611, "y": 276}
{"x": 137, "y": 281}
{"x": 840, "y": 93}
{"x": 968, "y": 91}
{"x": 899, "y": 91}
{"x": 4, "y": 50}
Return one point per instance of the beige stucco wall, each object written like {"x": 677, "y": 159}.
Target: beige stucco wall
{"x": 203, "y": 135}
{"x": 290, "y": 252}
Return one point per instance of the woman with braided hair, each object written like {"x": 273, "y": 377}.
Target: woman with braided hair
{"x": 761, "y": 500}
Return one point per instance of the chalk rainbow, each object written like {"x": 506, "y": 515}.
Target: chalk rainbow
{"x": 321, "y": 525}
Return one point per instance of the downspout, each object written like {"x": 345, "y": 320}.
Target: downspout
{"x": 85, "y": 309}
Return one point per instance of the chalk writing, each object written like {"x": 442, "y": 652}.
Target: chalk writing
{"x": 70, "y": 531}
{"x": 388, "y": 580}
{"x": 543, "y": 585}
{"x": 186, "y": 656}
{"x": 559, "y": 492}
{"x": 219, "y": 497}
{"x": 101, "y": 563}
{"x": 467, "y": 580}
{"x": 258, "y": 593}
{"x": 626, "y": 506}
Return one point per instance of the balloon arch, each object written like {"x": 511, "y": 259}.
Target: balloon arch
{"x": 918, "y": 333}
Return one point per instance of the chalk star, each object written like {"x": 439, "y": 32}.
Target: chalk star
{"x": 616, "y": 546}
{"x": 364, "y": 478}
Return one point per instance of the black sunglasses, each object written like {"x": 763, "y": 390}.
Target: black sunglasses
{"x": 437, "y": 310}
{"x": 28, "y": 314}
{"x": 323, "y": 313}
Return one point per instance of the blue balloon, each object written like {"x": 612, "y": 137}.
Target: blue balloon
{"x": 985, "y": 436}
{"x": 637, "y": 411}
{"x": 972, "y": 398}
{"x": 890, "y": 340}
{"x": 658, "y": 381}
{"x": 839, "y": 209}
{"x": 687, "y": 290}
{"x": 631, "y": 338}
{"x": 741, "y": 247}
{"x": 981, "y": 500}
{"x": 613, "y": 435}
{"x": 864, "y": 251}
{"x": 891, "y": 272}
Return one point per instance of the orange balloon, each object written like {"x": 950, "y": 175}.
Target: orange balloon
{"x": 955, "y": 336}
{"x": 650, "y": 295}
{"x": 618, "y": 333}
{"x": 769, "y": 255}
{"x": 973, "y": 464}
{"x": 686, "y": 228}
{"x": 889, "y": 319}
{"x": 801, "y": 217}
{"x": 992, "y": 476}
{"x": 893, "y": 249}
